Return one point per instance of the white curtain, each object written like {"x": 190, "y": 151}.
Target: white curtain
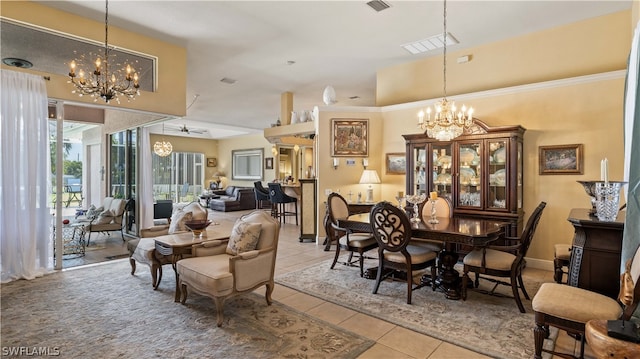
{"x": 25, "y": 220}
{"x": 146, "y": 180}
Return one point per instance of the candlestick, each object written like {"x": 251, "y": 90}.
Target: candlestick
{"x": 433, "y": 195}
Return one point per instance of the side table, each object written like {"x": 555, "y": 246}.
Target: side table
{"x": 72, "y": 239}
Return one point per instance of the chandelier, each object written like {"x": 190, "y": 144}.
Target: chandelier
{"x": 103, "y": 83}
{"x": 447, "y": 122}
{"x": 162, "y": 148}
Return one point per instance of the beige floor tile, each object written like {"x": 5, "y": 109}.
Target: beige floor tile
{"x": 301, "y": 301}
{"x": 367, "y": 326}
{"x": 331, "y": 313}
{"x": 379, "y": 351}
{"x": 409, "y": 342}
{"x": 450, "y": 351}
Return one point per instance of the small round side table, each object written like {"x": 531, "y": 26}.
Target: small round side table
{"x": 604, "y": 346}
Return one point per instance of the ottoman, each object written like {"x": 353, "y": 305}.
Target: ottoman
{"x": 143, "y": 250}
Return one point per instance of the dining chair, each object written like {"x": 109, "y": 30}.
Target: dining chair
{"x": 561, "y": 259}
{"x": 279, "y": 199}
{"x": 392, "y": 231}
{"x": 571, "y": 308}
{"x": 503, "y": 261}
{"x": 443, "y": 210}
{"x": 337, "y": 208}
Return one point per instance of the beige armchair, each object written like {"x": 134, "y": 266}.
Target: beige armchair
{"x": 214, "y": 273}
{"x": 109, "y": 220}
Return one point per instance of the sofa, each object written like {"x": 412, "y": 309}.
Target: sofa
{"x": 233, "y": 198}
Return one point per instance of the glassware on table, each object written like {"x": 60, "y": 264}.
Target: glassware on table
{"x": 399, "y": 197}
{"x": 607, "y": 200}
{"x": 415, "y": 200}
{"x": 433, "y": 197}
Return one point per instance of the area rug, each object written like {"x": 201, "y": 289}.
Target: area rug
{"x": 486, "y": 324}
{"x": 103, "y": 312}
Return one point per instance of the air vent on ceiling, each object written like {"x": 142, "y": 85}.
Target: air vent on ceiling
{"x": 227, "y": 80}
{"x": 432, "y": 43}
{"x": 378, "y": 5}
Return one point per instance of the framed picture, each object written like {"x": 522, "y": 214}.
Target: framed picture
{"x": 268, "y": 163}
{"x": 349, "y": 138}
{"x": 212, "y": 162}
{"x": 396, "y": 163}
{"x": 561, "y": 160}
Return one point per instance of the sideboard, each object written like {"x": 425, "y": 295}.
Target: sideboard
{"x": 596, "y": 253}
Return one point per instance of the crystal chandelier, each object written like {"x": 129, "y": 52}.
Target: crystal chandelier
{"x": 102, "y": 83}
{"x": 162, "y": 148}
{"x": 447, "y": 122}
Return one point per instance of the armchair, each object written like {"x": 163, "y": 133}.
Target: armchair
{"x": 109, "y": 220}
{"x": 212, "y": 272}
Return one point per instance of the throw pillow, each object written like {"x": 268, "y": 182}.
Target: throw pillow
{"x": 93, "y": 212}
{"x": 244, "y": 237}
{"x": 105, "y": 217}
{"x": 178, "y": 219}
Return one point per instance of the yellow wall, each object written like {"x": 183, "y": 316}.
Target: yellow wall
{"x": 225, "y": 146}
{"x": 587, "y": 47}
{"x": 198, "y": 145}
{"x": 170, "y": 96}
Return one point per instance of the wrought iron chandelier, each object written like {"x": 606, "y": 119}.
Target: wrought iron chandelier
{"x": 447, "y": 122}
{"x": 103, "y": 83}
{"x": 162, "y": 148}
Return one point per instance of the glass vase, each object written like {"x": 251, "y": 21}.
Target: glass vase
{"x": 607, "y": 200}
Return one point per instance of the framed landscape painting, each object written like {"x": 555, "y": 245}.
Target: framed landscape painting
{"x": 561, "y": 159}
{"x": 349, "y": 138}
{"x": 396, "y": 163}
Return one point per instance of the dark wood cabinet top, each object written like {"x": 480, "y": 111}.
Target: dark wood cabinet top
{"x": 581, "y": 217}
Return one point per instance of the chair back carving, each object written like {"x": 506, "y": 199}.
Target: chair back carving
{"x": 390, "y": 226}
{"x": 338, "y": 207}
{"x": 528, "y": 232}
{"x": 633, "y": 272}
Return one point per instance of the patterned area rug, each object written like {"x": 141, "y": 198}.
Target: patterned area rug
{"x": 486, "y": 324}
{"x": 104, "y": 312}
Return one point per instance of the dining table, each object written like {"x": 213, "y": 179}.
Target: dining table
{"x": 473, "y": 232}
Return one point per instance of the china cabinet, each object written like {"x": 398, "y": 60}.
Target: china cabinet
{"x": 480, "y": 172}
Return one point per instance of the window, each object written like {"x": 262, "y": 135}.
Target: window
{"x": 178, "y": 177}
{"x": 247, "y": 164}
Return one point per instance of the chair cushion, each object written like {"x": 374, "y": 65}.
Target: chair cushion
{"x": 244, "y": 237}
{"x": 105, "y": 217}
{"x": 93, "y": 212}
{"x": 418, "y": 255}
{"x": 574, "y": 304}
{"x": 178, "y": 219}
{"x": 358, "y": 240}
{"x": 562, "y": 251}
{"x": 495, "y": 259}
{"x": 198, "y": 212}
{"x": 208, "y": 274}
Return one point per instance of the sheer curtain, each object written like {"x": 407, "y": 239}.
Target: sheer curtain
{"x": 146, "y": 179}
{"x": 631, "y": 239}
{"x": 25, "y": 234}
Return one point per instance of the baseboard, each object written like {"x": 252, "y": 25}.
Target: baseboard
{"x": 539, "y": 263}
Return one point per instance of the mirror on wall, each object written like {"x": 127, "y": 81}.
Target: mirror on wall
{"x": 294, "y": 162}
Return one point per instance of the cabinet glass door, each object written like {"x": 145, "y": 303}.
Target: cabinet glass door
{"x": 419, "y": 179}
{"x": 469, "y": 175}
{"x": 498, "y": 176}
{"x": 442, "y": 162}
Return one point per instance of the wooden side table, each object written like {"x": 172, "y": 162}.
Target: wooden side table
{"x": 604, "y": 346}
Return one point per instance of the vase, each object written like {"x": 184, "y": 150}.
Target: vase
{"x": 607, "y": 200}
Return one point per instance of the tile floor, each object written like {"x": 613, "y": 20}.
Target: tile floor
{"x": 391, "y": 341}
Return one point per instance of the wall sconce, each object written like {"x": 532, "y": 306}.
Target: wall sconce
{"x": 365, "y": 163}
{"x": 336, "y": 163}
{"x": 274, "y": 151}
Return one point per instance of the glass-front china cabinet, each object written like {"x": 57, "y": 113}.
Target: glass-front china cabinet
{"x": 480, "y": 172}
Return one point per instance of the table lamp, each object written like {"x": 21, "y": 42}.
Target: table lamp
{"x": 218, "y": 178}
{"x": 369, "y": 177}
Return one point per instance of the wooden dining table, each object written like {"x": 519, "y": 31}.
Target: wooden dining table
{"x": 470, "y": 231}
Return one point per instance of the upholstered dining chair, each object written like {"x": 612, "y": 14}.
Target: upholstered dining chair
{"x": 503, "y": 261}
{"x": 337, "y": 209}
{"x": 443, "y": 210}
{"x": 221, "y": 269}
{"x": 570, "y": 308}
{"x": 279, "y": 199}
{"x": 392, "y": 231}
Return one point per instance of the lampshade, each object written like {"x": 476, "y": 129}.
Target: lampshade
{"x": 219, "y": 174}
{"x": 369, "y": 177}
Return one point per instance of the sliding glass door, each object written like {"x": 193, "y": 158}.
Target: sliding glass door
{"x": 122, "y": 179}
{"x": 178, "y": 177}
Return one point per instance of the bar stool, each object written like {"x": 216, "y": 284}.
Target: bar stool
{"x": 262, "y": 196}
{"x": 562, "y": 258}
{"x": 279, "y": 199}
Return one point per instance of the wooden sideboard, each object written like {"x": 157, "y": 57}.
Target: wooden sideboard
{"x": 308, "y": 209}
{"x": 596, "y": 253}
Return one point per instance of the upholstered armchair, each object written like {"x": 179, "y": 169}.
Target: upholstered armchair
{"x": 109, "y": 219}
{"x": 221, "y": 269}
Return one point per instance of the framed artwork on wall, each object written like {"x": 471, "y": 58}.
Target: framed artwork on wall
{"x": 561, "y": 159}
{"x": 268, "y": 163}
{"x": 212, "y": 162}
{"x": 349, "y": 137}
{"x": 396, "y": 163}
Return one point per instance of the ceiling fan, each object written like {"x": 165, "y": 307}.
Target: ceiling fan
{"x": 184, "y": 129}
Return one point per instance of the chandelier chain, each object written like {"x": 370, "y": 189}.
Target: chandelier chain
{"x": 444, "y": 61}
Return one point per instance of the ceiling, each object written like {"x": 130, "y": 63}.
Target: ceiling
{"x": 337, "y": 43}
